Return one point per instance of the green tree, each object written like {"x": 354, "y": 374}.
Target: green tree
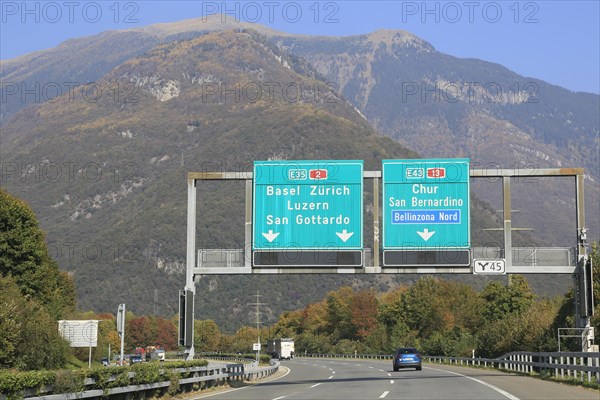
{"x": 339, "y": 314}
{"x": 526, "y": 331}
{"x": 243, "y": 340}
{"x": 504, "y": 300}
{"x": 422, "y": 308}
{"x": 10, "y": 321}
{"x": 207, "y": 336}
{"x": 24, "y": 255}
{"x": 455, "y": 342}
{"x": 29, "y": 337}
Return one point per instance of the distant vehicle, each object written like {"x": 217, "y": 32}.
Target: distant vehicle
{"x": 158, "y": 354}
{"x": 154, "y": 353}
{"x": 281, "y": 348}
{"x": 407, "y": 357}
{"x": 135, "y": 359}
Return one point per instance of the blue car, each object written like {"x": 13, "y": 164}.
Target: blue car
{"x": 135, "y": 359}
{"x": 407, "y": 357}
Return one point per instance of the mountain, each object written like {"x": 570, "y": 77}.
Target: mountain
{"x": 107, "y": 174}
{"x": 444, "y": 106}
{"x": 433, "y": 103}
{"x": 104, "y": 165}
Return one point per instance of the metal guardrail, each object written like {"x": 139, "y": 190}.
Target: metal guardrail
{"x": 584, "y": 367}
{"x": 359, "y": 356}
{"x": 203, "y": 377}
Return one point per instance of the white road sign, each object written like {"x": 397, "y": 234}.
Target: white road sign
{"x": 489, "y": 267}
{"x": 80, "y": 333}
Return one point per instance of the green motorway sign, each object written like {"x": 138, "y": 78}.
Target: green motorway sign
{"x": 313, "y": 205}
{"x": 426, "y": 204}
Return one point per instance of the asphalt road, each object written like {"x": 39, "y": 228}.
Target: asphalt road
{"x": 365, "y": 380}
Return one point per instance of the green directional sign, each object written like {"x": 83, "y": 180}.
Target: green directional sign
{"x": 308, "y": 205}
{"x": 426, "y": 206}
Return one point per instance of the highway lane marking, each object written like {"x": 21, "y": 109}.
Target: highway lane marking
{"x": 331, "y": 377}
{"x": 496, "y": 388}
{"x": 279, "y": 398}
{"x": 384, "y": 394}
{"x": 202, "y": 396}
{"x": 316, "y": 384}
{"x": 389, "y": 374}
{"x": 392, "y": 381}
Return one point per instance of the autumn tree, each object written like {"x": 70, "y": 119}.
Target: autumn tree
{"x": 167, "y": 335}
{"x": 363, "y": 311}
{"x": 140, "y": 332}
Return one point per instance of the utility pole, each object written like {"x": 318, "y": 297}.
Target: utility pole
{"x": 121, "y": 327}
{"x": 258, "y": 322}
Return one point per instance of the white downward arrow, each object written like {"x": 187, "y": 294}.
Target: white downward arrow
{"x": 270, "y": 236}
{"x": 344, "y": 235}
{"x": 426, "y": 235}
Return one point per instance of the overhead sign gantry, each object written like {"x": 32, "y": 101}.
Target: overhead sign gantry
{"x": 305, "y": 214}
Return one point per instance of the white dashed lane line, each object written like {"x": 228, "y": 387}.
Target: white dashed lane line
{"x": 384, "y": 394}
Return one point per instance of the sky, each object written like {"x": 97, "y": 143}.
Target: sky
{"x": 556, "y": 41}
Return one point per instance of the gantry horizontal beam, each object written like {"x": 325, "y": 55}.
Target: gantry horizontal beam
{"x": 474, "y": 173}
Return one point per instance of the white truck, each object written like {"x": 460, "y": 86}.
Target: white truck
{"x": 281, "y": 348}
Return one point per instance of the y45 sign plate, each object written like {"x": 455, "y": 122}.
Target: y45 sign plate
{"x": 312, "y": 205}
{"x": 489, "y": 267}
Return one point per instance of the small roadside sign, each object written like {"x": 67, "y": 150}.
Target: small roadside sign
{"x": 489, "y": 267}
